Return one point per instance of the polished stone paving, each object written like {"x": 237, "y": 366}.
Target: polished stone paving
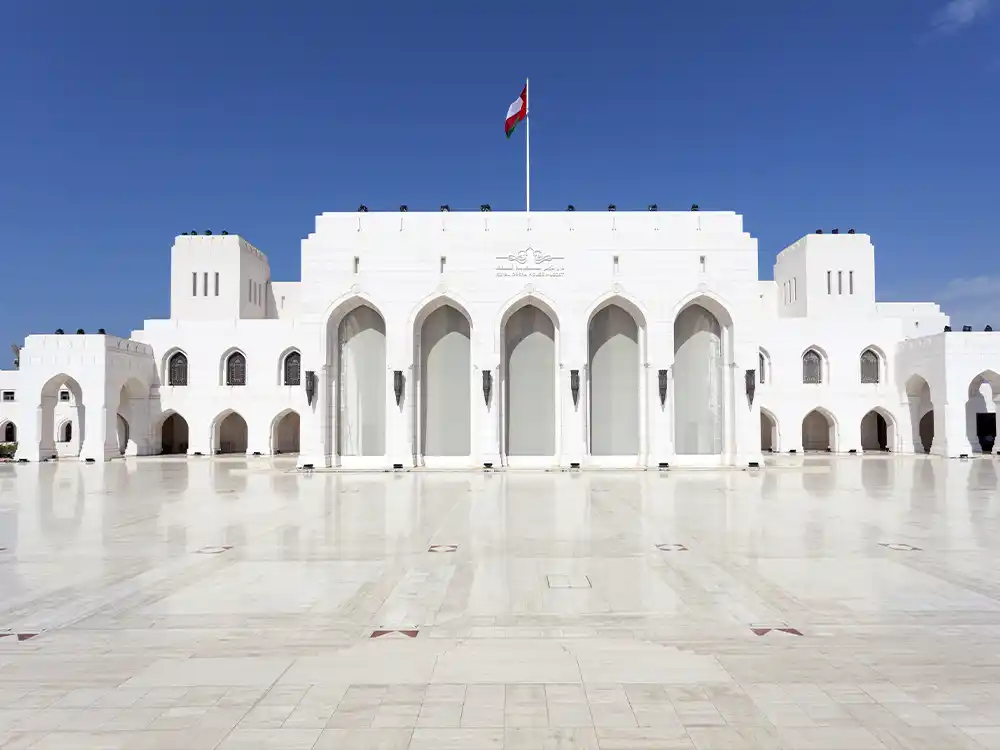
{"x": 822, "y": 603}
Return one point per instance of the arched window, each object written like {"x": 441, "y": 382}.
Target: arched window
{"x": 293, "y": 369}
{"x": 236, "y": 369}
{"x": 10, "y": 433}
{"x": 812, "y": 367}
{"x": 66, "y": 433}
{"x": 869, "y": 366}
{"x": 177, "y": 369}
{"x": 760, "y": 367}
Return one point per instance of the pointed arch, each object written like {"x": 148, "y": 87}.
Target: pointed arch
{"x": 229, "y": 432}
{"x": 622, "y": 299}
{"x": 615, "y": 396}
{"x": 981, "y": 411}
{"x": 763, "y": 366}
{"x": 335, "y": 312}
{"x": 770, "y": 435}
{"x": 711, "y": 301}
{"x": 285, "y": 427}
{"x": 813, "y": 437}
{"x": 815, "y": 366}
{"x": 175, "y": 366}
{"x": 528, "y": 343}
{"x": 8, "y": 431}
{"x": 877, "y": 436}
{"x": 441, "y": 330}
{"x": 872, "y": 365}
{"x": 523, "y": 299}
{"x": 290, "y": 367}
{"x": 233, "y": 367}
{"x": 173, "y": 431}
{"x": 429, "y": 304}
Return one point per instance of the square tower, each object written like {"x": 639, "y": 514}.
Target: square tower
{"x": 218, "y": 277}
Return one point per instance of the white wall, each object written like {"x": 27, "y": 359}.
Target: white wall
{"x": 487, "y": 265}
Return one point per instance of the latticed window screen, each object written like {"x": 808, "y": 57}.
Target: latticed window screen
{"x": 869, "y": 366}
{"x": 760, "y": 367}
{"x": 236, "y": 370}
{"x": 293, "y": 369}
{"x": 177, "y": 370}
{"x": 812, "y": 367}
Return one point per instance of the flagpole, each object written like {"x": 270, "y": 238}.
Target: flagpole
{"x": 527, "y": 150}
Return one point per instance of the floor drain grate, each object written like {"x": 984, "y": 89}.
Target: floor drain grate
{"x": 560, "y": 581}
{"x": 784, "y": 631}
{"x": 899, "y": 546}
{"x": 390, "y": 633}
{"x": 671, "y": 548}
{"x": 214, "y": 550}
{"x": 443, "y": 548}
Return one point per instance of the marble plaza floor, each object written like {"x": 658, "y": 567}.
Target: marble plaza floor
{"x": 825, "y": 603}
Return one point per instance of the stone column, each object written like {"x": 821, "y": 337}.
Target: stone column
{"x": 489, "y": 416}
{"x": 398, "y": 445}
{"x": 100, "y": 441}
{"x": 317, "y": 423}
{"x": 573, "y": 417}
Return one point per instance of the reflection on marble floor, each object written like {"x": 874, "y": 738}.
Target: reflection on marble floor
{"x": 587, "y": 610}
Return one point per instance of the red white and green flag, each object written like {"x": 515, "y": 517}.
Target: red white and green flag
{"x": 517, "y": 112}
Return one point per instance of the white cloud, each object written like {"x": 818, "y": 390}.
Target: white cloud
{"x": 972, "y": 300}
{"x": 957, "y": 14}
{"x": 970, "y": 287}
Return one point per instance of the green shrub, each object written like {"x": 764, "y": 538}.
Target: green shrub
{"x": 7, "y": 450}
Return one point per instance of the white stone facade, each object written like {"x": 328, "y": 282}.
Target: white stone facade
{"x": 574, "y": 320}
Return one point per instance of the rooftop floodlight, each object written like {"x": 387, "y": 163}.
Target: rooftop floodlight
{"x": 102, "y": 331}
{"x": 694, "y": 207}
{"x": 947, "y": 329}
{"x": 484, "y": 207}
{"x": 184, "y": 234}
{"x": 193, "y": 233}
{"x": 835, "y": 231}
{"x": 850, "y": 231}
{"x": 403, "y": 208}
{"x": 208, "y": 232}
{"x": 571, "y": 207}
{"x": 819, "y": 231}
{"x": 988, "y": 328}
{"x": 445, "y": 208}
{"x": 652, "y": 207}
{"x": 224, "y": 231}
{"x": 612, "y": 207}
{"x": 966, "y": 329}
{"x": 362, "y": 209}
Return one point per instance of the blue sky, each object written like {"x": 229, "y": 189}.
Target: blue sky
{"x": 125, "y": 123}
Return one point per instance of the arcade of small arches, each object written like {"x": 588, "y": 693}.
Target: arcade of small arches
{"x": 820, "y": 432}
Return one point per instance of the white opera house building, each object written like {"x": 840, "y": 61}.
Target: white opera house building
{"x": 547, "y": 339}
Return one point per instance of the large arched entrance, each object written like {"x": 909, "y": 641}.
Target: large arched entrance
{"x": 285, "y": 433}
{"x": 529, "y": 383}
{"x": 174, "y": 435}
{"x": 361, "y": 383}
{"x": 819, "y": 432}
{"x": 768, "y": 432}
{"x": 63, "y": 392}
{"x": 981, "y": 411}
{"x": 443, "y": 347}
{"x": 699, "y": 374}
{"x": 918, "y": 393}
{"x": 878, "y": 431}
{"x": 613, "y": 366}
{"x": 231, "y": 434}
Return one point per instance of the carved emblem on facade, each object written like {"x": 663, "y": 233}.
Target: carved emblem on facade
{"x": 530, "y": 263}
